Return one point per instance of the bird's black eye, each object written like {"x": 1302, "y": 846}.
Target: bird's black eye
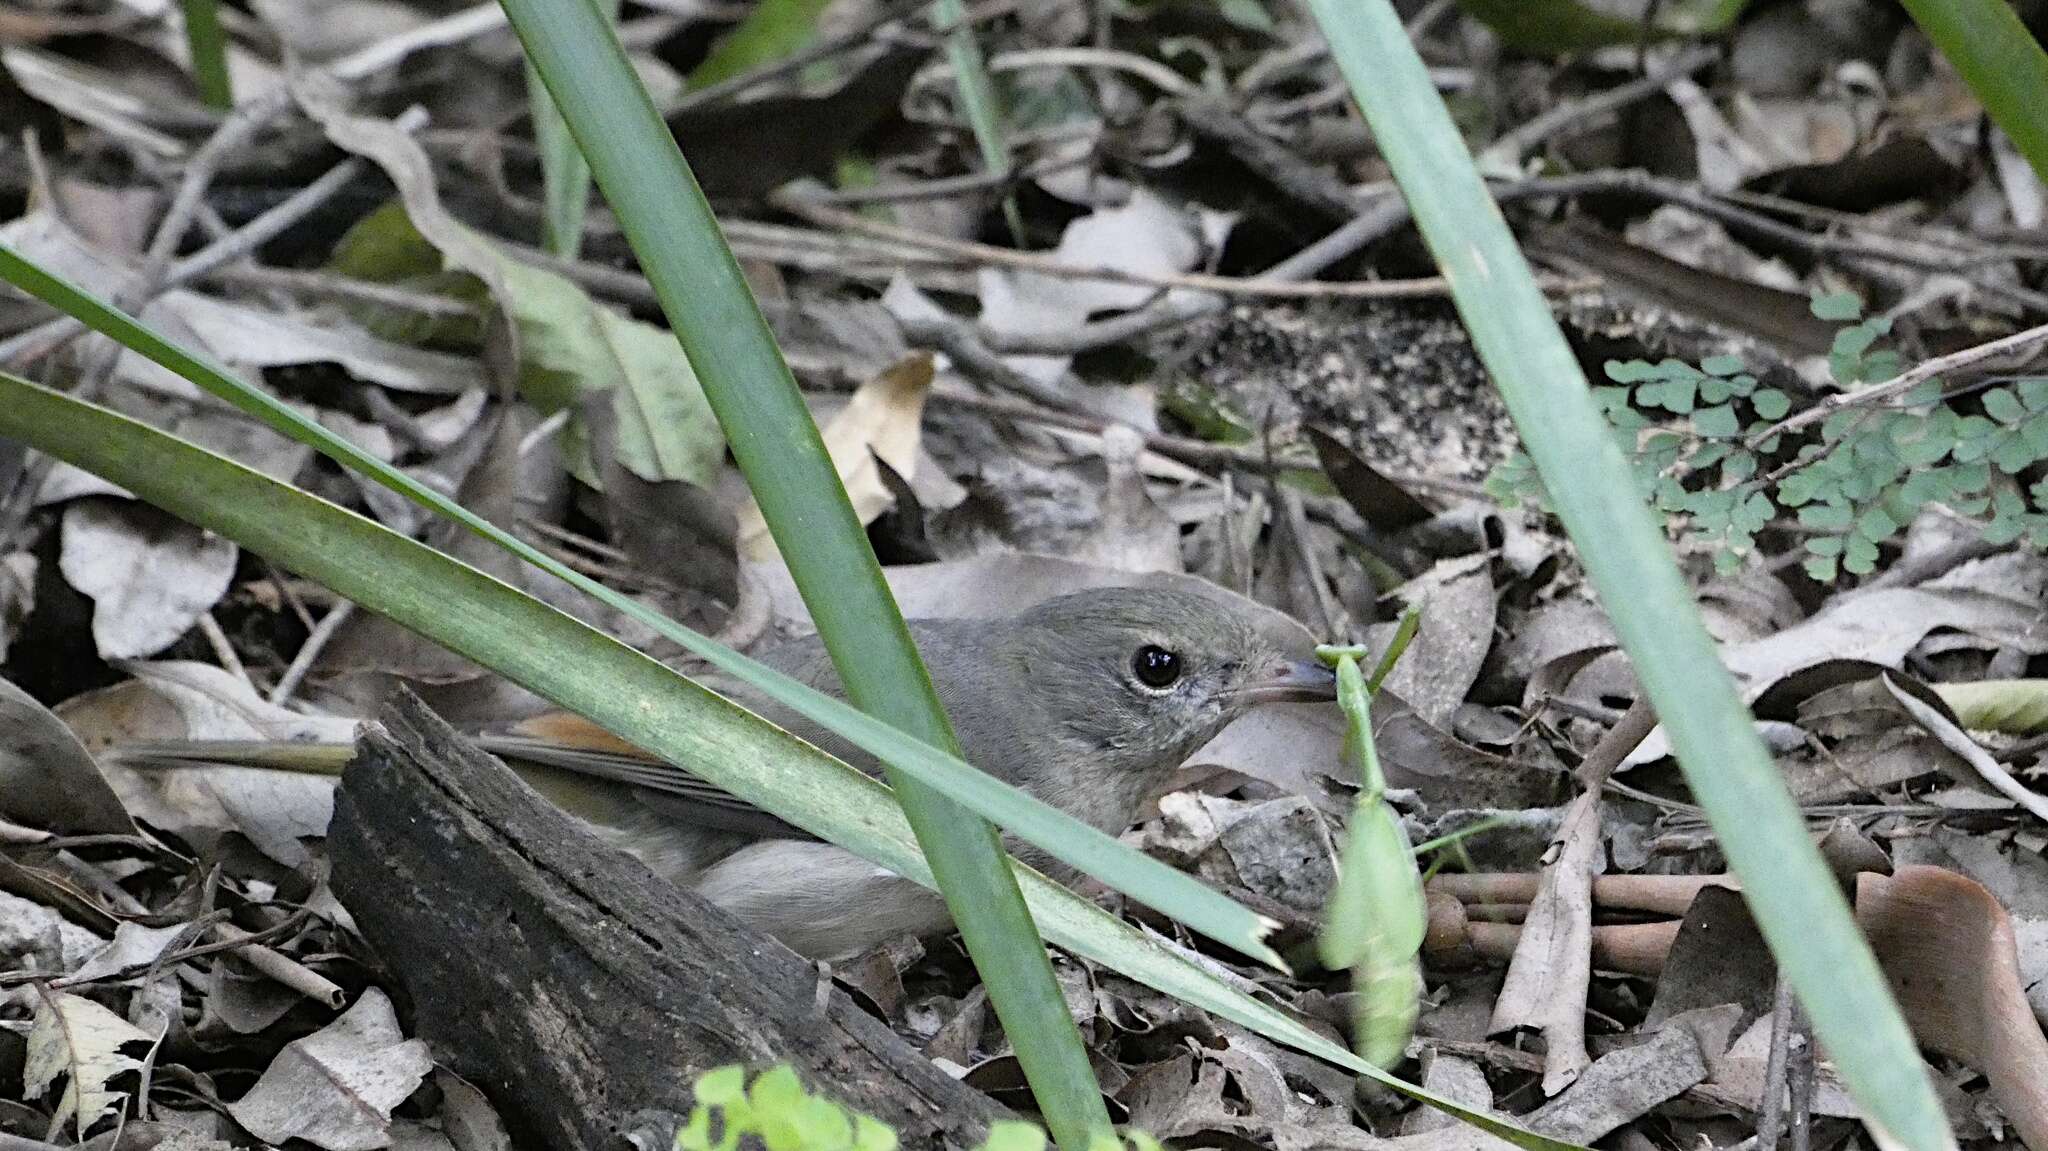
{"x": 1155, "y": 666}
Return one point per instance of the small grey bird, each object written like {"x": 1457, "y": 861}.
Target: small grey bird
{"x": 1088, "y": 702}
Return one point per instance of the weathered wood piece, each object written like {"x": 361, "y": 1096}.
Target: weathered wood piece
{"x": 568, "y": 981}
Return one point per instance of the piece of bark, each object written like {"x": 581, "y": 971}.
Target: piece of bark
{"x": 571, "y": 984}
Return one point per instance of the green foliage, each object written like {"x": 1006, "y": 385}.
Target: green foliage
{"x": 1695, "y": 435}
{"x": 208, "y": 47}
{"x": 1547, "y": 26}
{"x": 772, "y": 31}
{"x": 571, "y": 348}
{"x": 785, "y": 1117}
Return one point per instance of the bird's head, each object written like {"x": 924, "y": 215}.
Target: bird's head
{"x": 1148, "y": 675}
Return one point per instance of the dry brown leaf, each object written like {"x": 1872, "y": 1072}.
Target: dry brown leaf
{"x": 180, "y": 701}
{"x": 1546, "y": 983}
{"x": 47, "y": 777}
{"x": 884, "y": 418}
{"x": 1947, "y": 947}
{"x": 1437, "y": 671}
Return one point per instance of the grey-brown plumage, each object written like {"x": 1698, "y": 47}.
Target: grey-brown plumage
{"x": 1088, "y": 702}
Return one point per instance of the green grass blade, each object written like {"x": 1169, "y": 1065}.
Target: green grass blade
{"x": 978, "y": 99}
{"x": 208, "y": 47}
{"x": 683, "y": 253}
{"x": 1790, "y": 891}
{"x": 635, "y": 697}
{"x": 772, "y": 31}
{"x": 565, "y": 177}
{"x": 2001, "y": 62}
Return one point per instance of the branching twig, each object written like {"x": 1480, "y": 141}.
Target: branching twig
{"x": 817, "y": 211}
{"x": 1904, "y": 382}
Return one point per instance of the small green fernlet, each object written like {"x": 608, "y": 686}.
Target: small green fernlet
{"x": 1702, "y": 440}
{"x": 776, "y": 1108}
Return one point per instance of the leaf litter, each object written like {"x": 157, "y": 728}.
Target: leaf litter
{"x": 1013, "y": 428}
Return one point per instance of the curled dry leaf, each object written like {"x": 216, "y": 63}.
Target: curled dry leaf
{"x": 1718, "y": 956}
{"x": 133, "y": 946}
{"x": 336, "y": 1087}
{"x": 98, "y": 97}
{"x": 1878, "y": 627}
{"x": 1958, "y": 741}
{"x": 2012, "y": 706}
{"x": 179, "y": 699}
{"x": 1947, "y": 947}
{"x": 1280, "y": 849}
{"x": 47, "y": 777}
{"x": 1546, "y": 983}
{"x": 322, "y": 31}
{"x": 568, "y": 346}
{"x": 1146, "y": 235}
{"x": 150, "y": 576}
{"x": 884, "y": 420}
{"x": 1437, "y": 671}
{"x": 1297, "y": 747}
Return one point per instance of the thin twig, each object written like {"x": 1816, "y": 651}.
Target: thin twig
{"x": 970, "y": 355}
{"x": 1313, "y": 186}
{"x": 289, "y": 972}
{"x": 316, "y": 641}
{"x": 1770, "y": 1110}
{"x": 1183, "y": 449}
{"x": 246, "y": 120}
{"x": 2032, "y": 745}
{"x": 1287, "y": 502}
{"x": 1267, "y": 286}
{"x": 1634, "y": 726}
{"x": 1151, "y": 71}
{"x": 1800, "y": 1078}
{"x": 1904, "y": 382}
{"x": 1918, "y": 569}
{"x": 455, "y": 28}
{"x": 902, "y": 191}
{"x": 223, "y": 650}
{"x": 1513, "y": 145}
{"x": 289, "y": 595}
{"x": 302, "y": 282}
{"x": 1640, "y": 183}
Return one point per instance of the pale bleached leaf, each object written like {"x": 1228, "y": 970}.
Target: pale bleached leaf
{"x": 150, "y": 576}
{"x": 76, "y": 1038}
{"x": 336, "y": 1087}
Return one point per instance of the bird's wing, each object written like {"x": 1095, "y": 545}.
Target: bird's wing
{"x": 674, "y": 792}
{"x": 567, "y": 742}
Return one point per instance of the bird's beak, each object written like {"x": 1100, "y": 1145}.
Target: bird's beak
{"x": 1291, "y": 681}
